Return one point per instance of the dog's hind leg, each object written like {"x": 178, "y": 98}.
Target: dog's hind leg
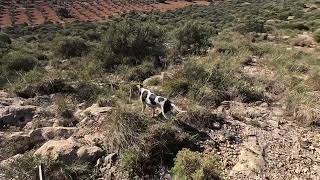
{"x": 163, "y": 113}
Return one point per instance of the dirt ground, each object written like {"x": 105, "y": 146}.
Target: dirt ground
{"x": 14, "y": 13}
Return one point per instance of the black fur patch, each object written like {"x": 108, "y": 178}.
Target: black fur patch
{"x": 167, "y": 106}
{"x": 160, "y": 99}
{"x": 144, "y": 96}
{"x": 152, "y": 99}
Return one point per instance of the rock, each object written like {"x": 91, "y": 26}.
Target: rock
{"x": 290, "y": 18}
{"x": 49, "y": 133}
{"x": 304, "y": 40}
{"x": 7, "y": 162}
{"x": 285, "y": 37}
{"x": 250, "y": 158}
{"x": 3, "y": 94}
{"x": 94, "y": 139}
{"x": 89, "y": 153}
{"x": 63, "y": 150}
{"x": 93, "y": 110}
{"x": 16, "y": 115}
{"x": 271, "y": 37}
{"x": 250, "y": 61}
{"x": 110, "y": 159}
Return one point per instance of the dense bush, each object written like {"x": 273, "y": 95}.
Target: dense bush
{"x": 64, "y": 13}
{"x": 4, "y": 38}
{"x": 192, "y": 38}
{"x": 254, "y": 24}
{"x": 196, "y": 166}
{"x": 131, "y": 43}
{"x": 71, "y": 47}
{"x": 141, "y": 72}
{"x": 177, "y": 87}
{"x": 19, "y": 61}
{"x": 132, "y": 160}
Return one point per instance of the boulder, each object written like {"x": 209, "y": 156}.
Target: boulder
{"x": 93, "y": 139}
{"x": 93, "y": 110}
{"x": 291, "y": 18}
{"x": 16, "y": 115}
{"x": 63, "y": 150}
{"x": 68, "y": 150}
{"x": 304, "y": 40}
{"x": 7, "y": 162}
{"x": 49, "y": 133}
{"x": 89, "y": 153}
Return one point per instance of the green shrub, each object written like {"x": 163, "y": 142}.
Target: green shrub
{"x": 71, "y": 47}
{"x": 194, "y": 72}
{"x": 4, "y": 38}
{"x": 254, "y": 24}
{"x": 141, "y": 72}
{"x": 207, "y": 96}
{"x": 92, "y": 35}
{"x": 130, "y": 43}
{"x": 64, "y": 13}
{"x": 195, "y": 166}
{"x": 18, "y": 61}
{"x": 132, "y": 160}
{"x": 316, "y": 35}
{"x": 86, "y": 91}
{"x": 177, "y": 87}
{"x": 192, "y": 38}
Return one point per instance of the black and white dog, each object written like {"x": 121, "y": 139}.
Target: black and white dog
{"x": 153, "y": 101}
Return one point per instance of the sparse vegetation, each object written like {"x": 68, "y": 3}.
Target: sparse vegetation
{"x": 25, "y": 167}
{"x": 211, "y": 56}
{"x": 195, "y": 166}
{"x": 316, "y": 35}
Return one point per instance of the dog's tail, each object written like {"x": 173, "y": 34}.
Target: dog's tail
{"x": 177, "y": 109}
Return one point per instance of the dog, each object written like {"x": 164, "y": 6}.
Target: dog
{"x": 153, "y": 101}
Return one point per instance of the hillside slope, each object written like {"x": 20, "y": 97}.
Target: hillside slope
{"x": 247, "y": 73}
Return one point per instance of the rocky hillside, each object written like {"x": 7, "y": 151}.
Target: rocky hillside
{"x": 249, "y": 82}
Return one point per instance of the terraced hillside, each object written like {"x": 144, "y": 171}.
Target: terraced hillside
{"x": 36, "y": 12}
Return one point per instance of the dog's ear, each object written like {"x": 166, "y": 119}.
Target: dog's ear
{"x": 140, "y": 86}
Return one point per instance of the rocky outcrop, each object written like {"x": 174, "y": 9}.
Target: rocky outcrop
{"x": 251, "y": 160}
{"x": 8, "y": 161}
{"x": 68, "y": 150}
{"x": 16, "y": 115}
{"x": 89, "y": 153}
{"x": 63, "y": 150}
{"x": 49, "y": 133}
{"x": 304, "y": 40}
{"x": 94, "y": 110}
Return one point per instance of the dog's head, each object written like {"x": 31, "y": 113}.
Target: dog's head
{"x": 139, "y": 86}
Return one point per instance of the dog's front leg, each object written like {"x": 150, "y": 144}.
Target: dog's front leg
{"x": 153, "y": 112}
{"x": 143, "y": 108}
